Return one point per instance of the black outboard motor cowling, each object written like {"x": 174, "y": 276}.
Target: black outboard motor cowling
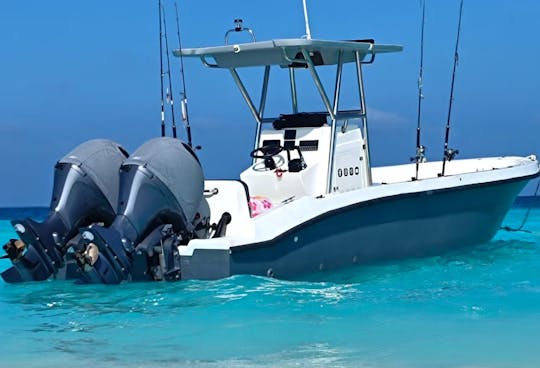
{"x": 161, "y": 184}
{"x": 85, "y": 191}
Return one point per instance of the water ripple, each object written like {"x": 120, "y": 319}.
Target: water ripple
{"x": 380, "y": 316}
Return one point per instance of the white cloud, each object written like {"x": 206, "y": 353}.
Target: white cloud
{"x": 385, "y": 117}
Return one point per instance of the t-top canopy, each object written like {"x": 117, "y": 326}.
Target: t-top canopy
{"x": 285, "y": 52}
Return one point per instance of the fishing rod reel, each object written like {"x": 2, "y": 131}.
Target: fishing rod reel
{"x": 450, "y": 153}
{"x": 160, "y": 205}
{"x": 84, "y": 192}
{"x": 420, "y": 156}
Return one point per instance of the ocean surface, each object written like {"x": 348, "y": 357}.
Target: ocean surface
{"x": 478, "y": 307}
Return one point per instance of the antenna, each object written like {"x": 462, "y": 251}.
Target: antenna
{"x": 239, "y": 27}
{"x": 170, "y": 90}
{"x": 450, "y": 153}
{"x": 308, "y": 31}
{"x": 183, "y": 101}
{"x": 420, "y": 149}
{"x": 161, "y": 71}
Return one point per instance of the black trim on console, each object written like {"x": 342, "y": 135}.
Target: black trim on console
{"x": 309, "y": 145}
{"x": 289, "y": 134}
{"x": 289, "y": 145}
{"x": 271, "y": 143}
{"x": 300, "y": 120}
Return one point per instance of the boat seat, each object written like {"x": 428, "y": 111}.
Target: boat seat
{"x": 300, "y": 120}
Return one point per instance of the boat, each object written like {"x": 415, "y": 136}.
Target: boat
{"x": 310, "y": 200}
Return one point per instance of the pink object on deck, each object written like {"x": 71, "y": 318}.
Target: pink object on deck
{"x": 259, "y": 204}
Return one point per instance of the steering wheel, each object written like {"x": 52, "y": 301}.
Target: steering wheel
{"x": 267, "y": 153}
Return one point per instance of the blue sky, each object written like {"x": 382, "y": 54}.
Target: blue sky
{"x": 76, "y": 70}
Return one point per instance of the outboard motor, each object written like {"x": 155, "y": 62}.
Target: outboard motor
{"x": 85, "y": 191}
{"x": 161, "y": 190}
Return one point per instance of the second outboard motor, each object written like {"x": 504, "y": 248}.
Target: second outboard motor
{"x": 85, "y": 191}
{"x": 161, "y": 189}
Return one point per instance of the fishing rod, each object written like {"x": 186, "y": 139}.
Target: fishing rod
{"x": 183, "y": 101}
{"x": 420, "y": 149}
{"x": 170, "y": 94}
{"x": 449, "y": 153}
{"x": 161, "y": 71}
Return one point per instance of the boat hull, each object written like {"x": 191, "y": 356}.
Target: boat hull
{"x": 393, "y": 227}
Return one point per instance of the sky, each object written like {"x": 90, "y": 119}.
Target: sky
{"x": 77, "y": 70}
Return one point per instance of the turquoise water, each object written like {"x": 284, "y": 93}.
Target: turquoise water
{"x": 478, "y": 307}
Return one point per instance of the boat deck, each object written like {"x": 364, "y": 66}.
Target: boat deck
{"x": 430, "y": 170}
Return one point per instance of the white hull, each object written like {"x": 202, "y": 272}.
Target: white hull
{"x": 386, "y": 221}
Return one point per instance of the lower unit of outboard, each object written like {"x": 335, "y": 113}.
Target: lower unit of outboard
{"x": 85, "y": 191}
{"x": 160, "y": 200}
